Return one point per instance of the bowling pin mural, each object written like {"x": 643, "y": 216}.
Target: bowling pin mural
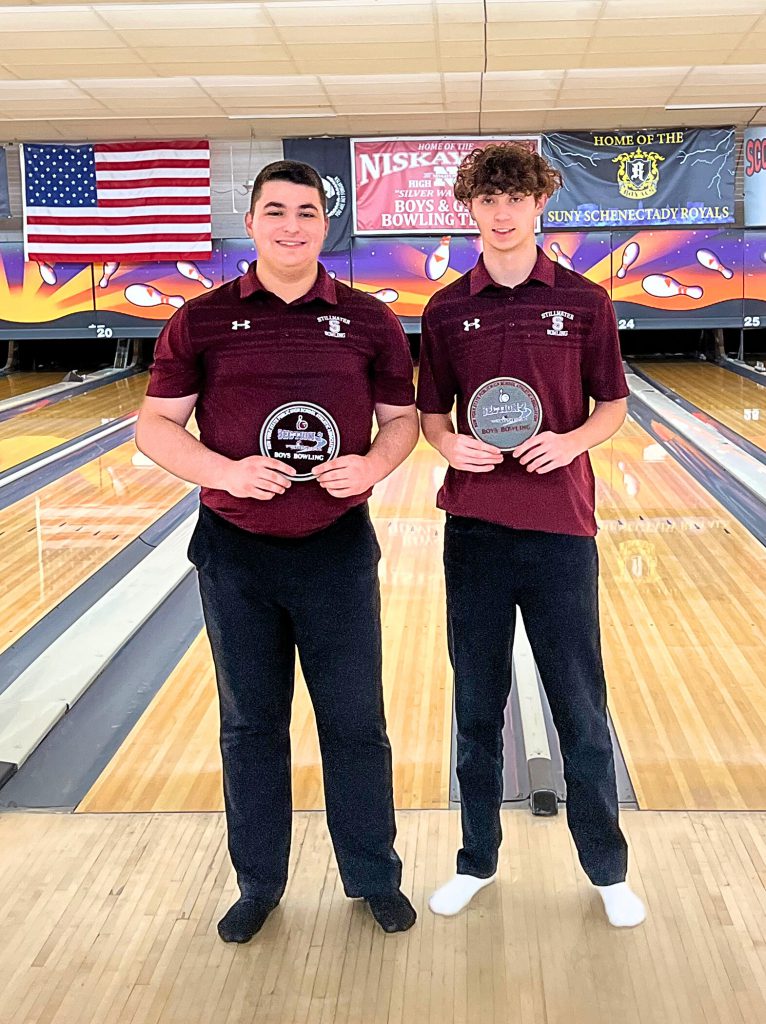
{"x": 664, "y": 287}
{"x": 385, "y": 295}
{"x": 437, "y": 263}
{"x": 561, "y": 257}
{"x": 146, "y": 295}
{"x": 192, "y": 271}
{"x": 47, "y": 273}
{"x": 629, "y": 256}
{"x": 709, "y": 259}
{"x": 107, "y": 272}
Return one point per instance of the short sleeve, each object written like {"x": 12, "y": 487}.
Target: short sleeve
{"x": 604, "y": 376}
{"x": 392, "y": 368}
{"x": 436, "y": 384}
{"x": 177, "y": 368}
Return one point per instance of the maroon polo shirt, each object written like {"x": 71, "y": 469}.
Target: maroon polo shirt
{"x": 244, "y": 352}
{"x": 475, "y": 329}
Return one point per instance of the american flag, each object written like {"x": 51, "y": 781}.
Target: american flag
{"x": 128, "y": 201}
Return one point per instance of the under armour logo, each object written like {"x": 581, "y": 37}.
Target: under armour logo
{"x": 468, "y": 324}
{"x": 236, "y": 324}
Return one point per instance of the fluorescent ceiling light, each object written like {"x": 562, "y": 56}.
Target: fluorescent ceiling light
{"x": 251, "y": 117}
{"x": 712, "y": 106}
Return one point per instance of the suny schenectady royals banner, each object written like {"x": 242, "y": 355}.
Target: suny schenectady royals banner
{"x": 651, "y": 178}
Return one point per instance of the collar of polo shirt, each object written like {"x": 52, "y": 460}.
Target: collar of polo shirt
{"x": 543, "y": 271}
{"x": 323, "y": 288}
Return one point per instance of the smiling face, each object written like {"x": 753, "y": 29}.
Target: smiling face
{"x": 506, "y": 222}
{"x": 288, "y": 226}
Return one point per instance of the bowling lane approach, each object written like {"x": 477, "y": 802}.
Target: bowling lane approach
{"x": 14, "y": 384}
{"x": 31, "y": 433}
{"x": 734, "y": 400}
{"x": 55, "y": 538}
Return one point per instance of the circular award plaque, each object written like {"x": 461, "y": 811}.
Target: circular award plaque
{"x": 301, "y": 435}
{"x": 504, "y": 412}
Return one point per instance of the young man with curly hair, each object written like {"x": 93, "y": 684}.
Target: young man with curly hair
{"x": 521, "y": 345}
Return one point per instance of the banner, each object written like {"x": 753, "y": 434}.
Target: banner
{"x": 641, "y": 178}
{"x": 755, "y": 177}
{"x": 331, "y": 157}
{"x": 404, "y": 186}
{"x": 130, "y": 201}
{"x": 5, "y": 202}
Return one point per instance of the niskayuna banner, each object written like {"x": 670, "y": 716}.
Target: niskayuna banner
{"x": 332, "y": 158}
{"x": 755, "y": 177}
{"x": 641, "y": 178}
{"x": 404, "y": 186}
{"x": 5, "y": 203}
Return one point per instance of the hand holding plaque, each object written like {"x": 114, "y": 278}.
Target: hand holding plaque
{"x": 347, "y": 476}
{"x": 548, "y": 451}
{"x": 464, "y": 452}
{"x": 255, "y": 477}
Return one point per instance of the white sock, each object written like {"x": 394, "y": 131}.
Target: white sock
{"x": 623, "y": 908}
{"x": 457, "y": 893}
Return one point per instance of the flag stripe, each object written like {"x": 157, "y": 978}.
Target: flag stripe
{"x": 116, "y": 161}
{"x": 181, "y": 200}
{"x": 134, "y": 173}
{"x": 162, "y": 193}
{"x": 101, "y": 221}
{"x": 127, "y": 251}
{"x": 162, "y": 147}
{"x": 144, "y": 209}
{"x": 155, "y": 187}
{"x": 168, "y": 233}
{"x": 133, "y": 200}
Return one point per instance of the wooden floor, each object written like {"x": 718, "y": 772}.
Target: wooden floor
{"x": 29, "y": 434}
{"x": 683, "y": 613}
{"x": 110, "y": 919}
{"x": 726, "y": 396}
{"x": 14, "y": 384}
{"x": 56, "y": 538}
{"x": 683, "y": 618}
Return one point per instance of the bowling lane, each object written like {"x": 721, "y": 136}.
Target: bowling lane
{"x": 31, "y": 433}
{"x": 16, "y": 384}
{"x": 735, "y": 401}
{"x": 683, "y": 611}
{"x": 171, "y": 761}
{"x": 53, "y": 540}
{"x": 683, "y": 607}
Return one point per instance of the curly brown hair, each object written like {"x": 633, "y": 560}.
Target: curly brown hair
{"x": 505, "y": 167}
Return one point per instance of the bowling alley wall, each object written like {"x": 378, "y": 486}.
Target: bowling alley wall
{"x": 134, "y": 300}
{"x": 691, "y": 276}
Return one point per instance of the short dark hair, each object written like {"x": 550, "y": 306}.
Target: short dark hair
{"x": 508, "y": 167}
{"x": 289, "y": 170}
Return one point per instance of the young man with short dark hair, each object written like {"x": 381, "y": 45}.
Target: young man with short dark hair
{"x": 521, "y": 345}
{"x": 285, "y": 367}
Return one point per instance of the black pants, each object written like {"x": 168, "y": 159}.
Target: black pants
{"x": 262, "y": 597}
{"x": 553, "y": 578}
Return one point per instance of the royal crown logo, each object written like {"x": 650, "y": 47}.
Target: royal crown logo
{"x": 638, "y": 175}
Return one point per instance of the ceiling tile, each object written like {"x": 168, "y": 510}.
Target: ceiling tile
{"x": 146, "y": 16}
